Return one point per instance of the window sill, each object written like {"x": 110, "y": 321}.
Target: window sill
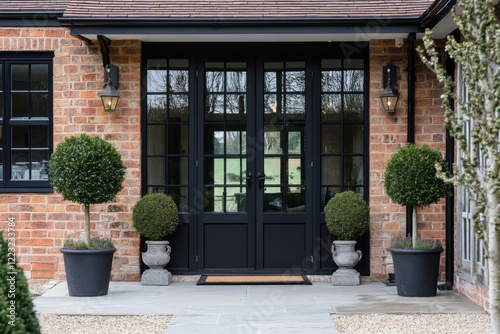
{"x": 38, "y": 190}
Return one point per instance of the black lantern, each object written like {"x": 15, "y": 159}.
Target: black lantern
{"x": 110, "y": 95}
{"x": 390, "y": 95}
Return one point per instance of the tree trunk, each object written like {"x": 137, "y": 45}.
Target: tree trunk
{"x": 414, "y": 227}
{"x": 87, "y": 225}
{"x": 493, "y": 239}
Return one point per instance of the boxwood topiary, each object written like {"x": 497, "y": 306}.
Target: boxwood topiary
{"x": 155, "y": 216}
{"x": 347, "y": 216}
{"x": 16, "y": 308}
{"x": 86, "y": 170}
{"x": 410, "y": 177}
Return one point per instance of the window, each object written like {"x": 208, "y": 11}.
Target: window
{"x": 25, "y": 122}
{"x": 472, "y": 260}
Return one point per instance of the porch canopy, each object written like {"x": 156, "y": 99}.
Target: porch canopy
{"x": 252, "y": 21}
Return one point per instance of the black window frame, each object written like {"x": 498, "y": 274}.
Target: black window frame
{"x": 7, "y": 184}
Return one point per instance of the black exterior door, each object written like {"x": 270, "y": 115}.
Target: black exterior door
{"x": 253, "y": 166}
{"x": 251, "y": 140}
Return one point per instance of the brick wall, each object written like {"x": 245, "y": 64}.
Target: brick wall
{"x": 44, "y": 221}
{"x": 387, "y": 133}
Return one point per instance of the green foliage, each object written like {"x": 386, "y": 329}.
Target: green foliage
{"x": 347, "y": 216}
{"x": 95, "y": 243}
{"x": 406, "y": 243}
{"x": 155, "y": 216}
{"x": 411, "y": 179}
{"x": 86, "y": 170}
{"x": 16, "y": 306}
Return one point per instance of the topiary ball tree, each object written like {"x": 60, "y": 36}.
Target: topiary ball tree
{"x": 411, "y": 178}
{"x": 16, "y": 308}
{"x": 347, "y": 216}
{"x": 155, "y": 216}
{"x": 86, "y": 170}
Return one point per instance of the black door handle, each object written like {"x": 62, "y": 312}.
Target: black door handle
{"x": 261, "y": 177}
{"x": 248, "y": 180}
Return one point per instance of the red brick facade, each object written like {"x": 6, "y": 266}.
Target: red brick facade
{"x": 44, "y": 221}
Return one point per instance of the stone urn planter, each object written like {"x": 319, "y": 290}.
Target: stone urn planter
{"x": 156, "y": 258}
{"x": 347, "y": 217}
{"x": 156, "y": 216}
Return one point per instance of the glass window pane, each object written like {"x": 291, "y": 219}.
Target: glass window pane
{"x": 39, "y": 105}
{"x": 236, "y": 81}
{"x": 214, "y": 106}
{"x": 218, "y": 141}
{"x": 234, "y": 173}
{"x": 295, "y": 175}
{"x": 157, "y": 63}
{"x": 20, "y": 137}
{"x": 178, "y": 81}
{"x": 353, "y": 171}
{"x": 233, "y": 142}
{"x": 156, "y": 139}
{"x": 157, "y": 80}
{"x": 331, "y": 107}
{"x": 273, "y": 200}
{"x": 272, "y": 140}
{"x": 178, "y": 138}
{"x": 353, "y": 139}
{"x": 272, "y": 170}
{"x": 39, "y": 77}
{"x": 1, "y": 140}
{"x": 20, "y": 77}
{"x": 219, "y": 171}
{"x": 156, "y": 171}
{"x": 178, "y": 107}
{"x": 236, "y": 104}
{"x": 39, "y": 136}
{"x": 218, "y": 199}
{"x": 354, "y": 107}
{"x": 296, "y": 199}
{"x": 157, "y": 108}
{"x": 271, "y": 104}
{"x": 178, "y": 170}
{"x": 38, "y": 168}
{"x": 331, "y": 171}
{"x": 331, "y": 140}
{"x": 178, "y": 63}
{"x": 354, "y": 80}
{"x": 180, "y": 197}
{"x": 270, "y": 82}
{"x": 331, "y": 64}
{"x": 354, "y": 63}
{"x": 214, "y": 81}
{"x": 1, "y": 165}
{"x": 331, "y": 81}
{"x": 20, "y": 105}
{"x": 20, "y": 163}
{"x": 1, "y": 81}
{"x": 296, "y": 104}
{"x": 294, "y": 142}
{"x": 295, "y": 81}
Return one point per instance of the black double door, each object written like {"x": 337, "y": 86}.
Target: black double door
{"x": 254, "y": 166}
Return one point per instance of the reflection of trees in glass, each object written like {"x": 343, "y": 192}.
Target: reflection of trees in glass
{"x": 176, "y": 83}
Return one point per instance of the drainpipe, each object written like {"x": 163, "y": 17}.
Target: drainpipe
{"x": 411, "y": 115}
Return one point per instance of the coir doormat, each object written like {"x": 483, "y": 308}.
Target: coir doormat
{"x": 252, "y": 279}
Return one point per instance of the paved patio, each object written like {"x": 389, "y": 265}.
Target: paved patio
{"x": 249, "y": 308}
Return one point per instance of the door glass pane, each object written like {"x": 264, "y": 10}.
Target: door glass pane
{"x": 156, "y": 139}
{"x": 272, "y": 170}
{"x": 178, "y": 80}
{"x": 354, "y": 107}
{"x": 294, "y": 142}
{"x": 177, "y": 170}
{"x": 156, "y": 170}
{"x": 178, "y": 107}
{"x": 178, "y": 139}
{"x": 272, "y": 140}
{"x": 331, "y": 170}
{"x": 354, "y": 80}
{"x": 157, "y": 108}
{"x": 353, "y": 139}
{"x": 331, "y": 139}
{"x": 296, "y": 199}
{"x": 296, "y": 104}
{"x": 294, "y": 172}
{"x": 331, "y": 107}
{"x": 353, "y": 170}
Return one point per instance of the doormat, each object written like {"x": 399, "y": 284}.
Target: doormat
{"x": 252, "y": 279}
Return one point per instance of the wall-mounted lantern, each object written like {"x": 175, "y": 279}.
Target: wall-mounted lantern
{"x": 110, "y": 95}
{"x": 390, "y": 95}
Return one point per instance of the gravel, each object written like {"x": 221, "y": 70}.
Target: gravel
{"x": 459, "y": 323}
{"x": 449, "y": 323}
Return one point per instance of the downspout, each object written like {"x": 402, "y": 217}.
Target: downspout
{"x": 411, "y": 115}
{"x": 450, "y": 200}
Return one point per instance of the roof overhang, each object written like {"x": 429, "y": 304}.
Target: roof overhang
{"x": 243, "y": 30}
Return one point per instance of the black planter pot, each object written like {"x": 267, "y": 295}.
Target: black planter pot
{"x": 416, "y": 271}
{"x": 88, "y": 271}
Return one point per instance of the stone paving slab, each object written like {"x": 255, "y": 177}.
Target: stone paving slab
{"x": 252, "y": 309}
